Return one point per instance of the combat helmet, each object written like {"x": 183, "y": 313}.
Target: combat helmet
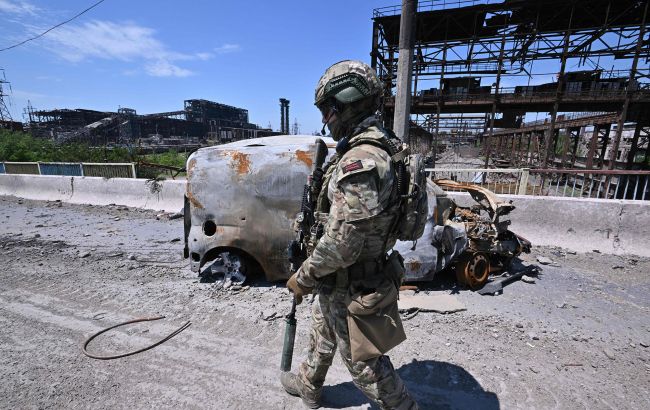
{"x": 353, "y": 89}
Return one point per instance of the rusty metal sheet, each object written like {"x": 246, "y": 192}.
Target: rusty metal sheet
{"x": 483, "y": 196}
{"x": 250, "y": 191}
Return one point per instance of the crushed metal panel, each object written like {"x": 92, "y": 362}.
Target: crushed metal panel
{"x": 483, "y": 196}
{"x": 428, "y": 258}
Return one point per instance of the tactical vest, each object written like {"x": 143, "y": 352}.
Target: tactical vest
{"x": 382, "y": 236}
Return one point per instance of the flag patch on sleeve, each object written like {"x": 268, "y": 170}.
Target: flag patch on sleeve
{"x": 352, "y": 166}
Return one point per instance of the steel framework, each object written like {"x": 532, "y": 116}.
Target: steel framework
{"x": 459, "y": 43}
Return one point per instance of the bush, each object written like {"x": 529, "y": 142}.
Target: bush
{"x": 171, "y": 157}
{"x": 22, "y": 147}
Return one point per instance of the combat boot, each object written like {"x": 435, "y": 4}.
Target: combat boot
{"x": 295, "y": 387}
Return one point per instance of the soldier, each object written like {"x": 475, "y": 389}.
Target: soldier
{"x": 356, "y": 283}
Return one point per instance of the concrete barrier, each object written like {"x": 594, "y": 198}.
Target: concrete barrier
{"x": 610, "y": 226}
{"x": 158, "y": 195}
{"x": 579, "y": 224}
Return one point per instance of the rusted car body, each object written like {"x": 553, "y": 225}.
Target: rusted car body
{"x": 241, "y": 201}
{"x": 242, "y": 198}
{"x": 491, "y": 245}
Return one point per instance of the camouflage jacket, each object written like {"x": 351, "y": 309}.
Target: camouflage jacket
{"x": 358, "y": 228}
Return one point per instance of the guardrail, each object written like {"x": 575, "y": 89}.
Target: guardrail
{"x": 500, "y": 181}
{"x": 105, "y": 170}
{"x": 575, "y": 183}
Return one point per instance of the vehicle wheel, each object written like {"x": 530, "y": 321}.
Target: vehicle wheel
{"x": 229, "y": 267}
{"x": 472, "y": 270}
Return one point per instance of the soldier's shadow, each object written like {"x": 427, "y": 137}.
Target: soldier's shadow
{"x": 433, "y": 384}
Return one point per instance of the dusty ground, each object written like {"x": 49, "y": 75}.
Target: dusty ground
{"x": 577, "y": 338}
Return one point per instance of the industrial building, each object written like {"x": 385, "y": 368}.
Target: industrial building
{"x": 483, "y": 69}
{"x": 200, "y": 122}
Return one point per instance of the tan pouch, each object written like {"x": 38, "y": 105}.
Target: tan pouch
{"x": 374, "y": 323}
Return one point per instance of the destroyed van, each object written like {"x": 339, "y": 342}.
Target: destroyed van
{"x": 242, "y": 198}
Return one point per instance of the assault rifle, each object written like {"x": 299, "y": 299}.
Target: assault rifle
{"x": 298, "y": 247}
{"x": 305, "y": 219}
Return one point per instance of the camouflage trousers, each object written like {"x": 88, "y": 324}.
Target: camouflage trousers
{"x": 376, "y": 377}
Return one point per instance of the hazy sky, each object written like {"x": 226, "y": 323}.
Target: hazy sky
{"x": 152, "y": 55}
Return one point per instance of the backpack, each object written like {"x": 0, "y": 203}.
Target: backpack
{"x": 410, "y": 186}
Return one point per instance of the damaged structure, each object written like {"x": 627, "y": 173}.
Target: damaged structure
{"x": 480, "y": 71}
{"x": 199, "y": 123}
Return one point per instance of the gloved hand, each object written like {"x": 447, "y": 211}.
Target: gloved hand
{"x": 296, "y": 288}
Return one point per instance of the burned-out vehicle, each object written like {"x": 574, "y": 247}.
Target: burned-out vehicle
{"x": 242, "y": 199}
{"x": 491, "y": 246}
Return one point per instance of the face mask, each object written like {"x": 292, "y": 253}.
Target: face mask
{"x": 337, "y": 128}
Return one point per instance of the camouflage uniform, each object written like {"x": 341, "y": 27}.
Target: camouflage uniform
{"x": 356, "y": 202}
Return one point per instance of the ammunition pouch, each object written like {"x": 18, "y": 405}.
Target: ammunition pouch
{"x": 374, "y": 324}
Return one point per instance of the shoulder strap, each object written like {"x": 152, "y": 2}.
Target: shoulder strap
{"x": 384, "y": 143}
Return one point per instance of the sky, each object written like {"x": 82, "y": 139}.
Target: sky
{"x": 152, "y": 55}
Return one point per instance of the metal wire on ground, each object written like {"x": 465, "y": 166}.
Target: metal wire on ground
{"x": 117, "y": 356}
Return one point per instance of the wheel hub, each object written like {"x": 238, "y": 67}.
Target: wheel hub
{"x": 228, "y": 268}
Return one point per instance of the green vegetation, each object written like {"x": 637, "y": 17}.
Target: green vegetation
{"x": 561, "y": 140}
{"x": 22, "y": 147}
{"x": 171, "y": 157}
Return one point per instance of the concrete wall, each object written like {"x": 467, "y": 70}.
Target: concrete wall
{"x": 610, "y": 226}
{"x": 579, "y": 224}
{"x": 162, "y": 196}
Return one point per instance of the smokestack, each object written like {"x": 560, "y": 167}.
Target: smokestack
{"x": 284, "y": 116}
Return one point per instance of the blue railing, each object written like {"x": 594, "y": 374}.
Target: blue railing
{"x": 75, "y": 169}
{"x": 61, "y": 168}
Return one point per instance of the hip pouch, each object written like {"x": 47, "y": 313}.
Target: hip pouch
{"x": 374, "y": 323}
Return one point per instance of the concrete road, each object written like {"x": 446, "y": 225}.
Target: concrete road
{"x": 577, "y": 338}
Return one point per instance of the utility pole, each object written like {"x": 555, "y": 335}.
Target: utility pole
{"x": 4, "y": 111}
{"x": 629, "y": 90}
{"x": 401, "y": 120}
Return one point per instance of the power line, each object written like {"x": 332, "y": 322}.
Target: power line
{"x": 52, "y": 28}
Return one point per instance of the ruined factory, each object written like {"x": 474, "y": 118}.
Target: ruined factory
{"x": 480, "y": 71}
{"x": 201, "y": 121}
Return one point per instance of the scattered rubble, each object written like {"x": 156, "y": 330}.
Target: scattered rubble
{"x": 609, "y": 353}
{"x": 177, "y": 215}
{"x": 269, "y": 315}
{"x": 527, "y": 279}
